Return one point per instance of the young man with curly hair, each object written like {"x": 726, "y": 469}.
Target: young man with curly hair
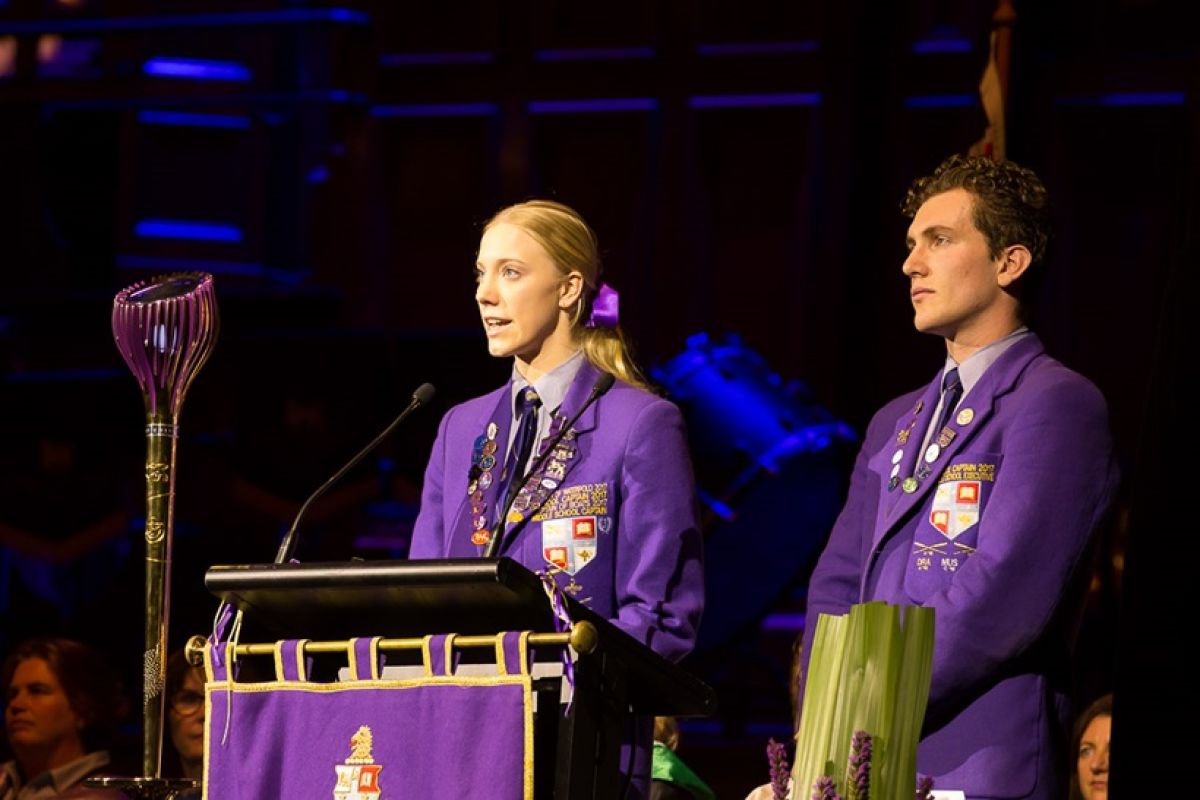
{"x": 979, "y": 494}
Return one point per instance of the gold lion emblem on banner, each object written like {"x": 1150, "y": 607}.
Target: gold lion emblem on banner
{"x": 358, "y": 778}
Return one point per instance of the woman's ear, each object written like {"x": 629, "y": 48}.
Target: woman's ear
{"x": 570, "y": 290}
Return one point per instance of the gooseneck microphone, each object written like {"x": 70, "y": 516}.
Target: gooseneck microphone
{"x": 420, "y": 397}
{"x": 602, "y": 385}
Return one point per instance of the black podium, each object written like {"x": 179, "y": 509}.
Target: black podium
{"x": 576, "y": 755}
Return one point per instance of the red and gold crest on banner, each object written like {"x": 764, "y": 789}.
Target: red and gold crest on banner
{"x": 358, "y": 778}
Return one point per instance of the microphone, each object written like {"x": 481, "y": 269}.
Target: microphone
{"x": 420, "y": 397}
{"x": 602, "y": 385}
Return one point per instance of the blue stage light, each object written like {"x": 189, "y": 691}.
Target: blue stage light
{"x": 755, "y": 100}
{"x": 188, "y": 229}
{"x": 194, "y": 120}
{"x": 941, "y": 101}
{"x": 592, "y": 105}
{"x": 196, "y": 69}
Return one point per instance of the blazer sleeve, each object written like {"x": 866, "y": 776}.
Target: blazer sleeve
{"x": 428, "y": 537}
{"x": 659, "y": 580}
{"x": 1053, "y": 489}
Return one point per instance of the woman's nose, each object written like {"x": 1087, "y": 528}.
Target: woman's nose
{"x": 485, "y": 291}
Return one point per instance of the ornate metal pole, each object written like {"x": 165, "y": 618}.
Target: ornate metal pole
{"x": 165, "y": 330}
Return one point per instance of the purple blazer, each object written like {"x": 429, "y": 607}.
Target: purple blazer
{"x": 997, "y": 539}
{"x": 620, "y": 524}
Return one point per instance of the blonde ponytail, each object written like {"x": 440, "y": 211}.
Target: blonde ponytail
{"x": 608, "y": 352}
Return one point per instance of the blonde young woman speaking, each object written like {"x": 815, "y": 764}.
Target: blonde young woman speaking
{"x": 609, "y": 512}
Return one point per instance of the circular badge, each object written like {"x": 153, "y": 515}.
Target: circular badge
{"x": 489, "y": 447}
{"x": 491, "y": 430}
{"x": 932, "y": 452}
{"x": 550, "y": 483}
{"x": 896, "y": 456}
{"x": 480, "y": 537}
{"x": 909, "y": 486}
{"x": 514, "y": 516}
{"x": 965, "y": 416}
{"x": 485, "y": 479}
{"x": 487, "y": 462}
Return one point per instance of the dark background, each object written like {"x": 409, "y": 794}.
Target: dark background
{"x": 741, "y": 163}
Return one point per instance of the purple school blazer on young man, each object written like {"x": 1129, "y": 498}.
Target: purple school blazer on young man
{"x": 996, "y": 539}
{"x": 620, "y": 523}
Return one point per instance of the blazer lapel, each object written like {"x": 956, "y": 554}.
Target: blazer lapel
{"x": 915, "y": 424}
{"x": 576, "y": 443}
{"x": 465, "y": 521}
{"x": 973, "y": 412}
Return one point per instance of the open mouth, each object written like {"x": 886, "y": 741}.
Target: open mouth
{"x": 495, "y": 324}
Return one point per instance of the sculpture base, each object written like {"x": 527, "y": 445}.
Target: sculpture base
{"x": 147, "y": 788}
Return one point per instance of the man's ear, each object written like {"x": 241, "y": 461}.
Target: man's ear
{"x": 1012, "y": 263}
{"x": 570, "y": 290}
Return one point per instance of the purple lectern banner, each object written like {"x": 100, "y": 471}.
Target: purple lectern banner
{"x": 369, "y": 739}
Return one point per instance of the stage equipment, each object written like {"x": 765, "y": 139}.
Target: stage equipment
{"x": 165, "y": 329}
{"x": 770, "y": 464}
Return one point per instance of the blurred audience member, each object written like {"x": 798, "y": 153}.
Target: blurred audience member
{"x": 61, "y": 702}
{"x": 185, "y": 716}
{"x": 670, "y": 778}
{"x": 1093, "y": 729}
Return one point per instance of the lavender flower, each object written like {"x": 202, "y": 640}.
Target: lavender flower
{"x": 858, "y": 777}
{"x": 825, "y": 789}
{"x": 924, "y": 787}
{"x": 777, "y": 758}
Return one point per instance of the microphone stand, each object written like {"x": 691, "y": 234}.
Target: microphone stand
{"x": 420, "y": 397}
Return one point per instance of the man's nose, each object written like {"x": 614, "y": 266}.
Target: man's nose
{"x": 914, "y": 263}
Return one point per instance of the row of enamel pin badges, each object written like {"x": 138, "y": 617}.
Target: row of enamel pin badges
{"x": 932, "y": 453}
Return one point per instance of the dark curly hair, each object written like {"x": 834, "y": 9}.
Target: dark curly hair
{"x": 1010, "y": 201}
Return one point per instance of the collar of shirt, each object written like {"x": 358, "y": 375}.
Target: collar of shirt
{"x": 53, "y": 782}
{"x": 552, "y": 388}
{"x": 971, "y": 370}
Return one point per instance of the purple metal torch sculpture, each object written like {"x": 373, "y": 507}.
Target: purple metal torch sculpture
{"x": 165, "y": 329}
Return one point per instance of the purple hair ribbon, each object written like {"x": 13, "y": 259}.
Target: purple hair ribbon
{"x": 605, "y": 307}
